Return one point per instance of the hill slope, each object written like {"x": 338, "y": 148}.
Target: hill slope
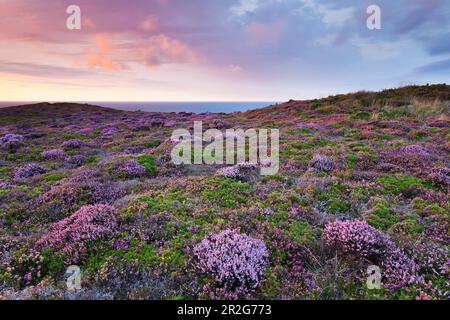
{"x": 363, "y": 180}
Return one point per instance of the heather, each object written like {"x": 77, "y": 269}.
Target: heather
{"x": 72, "y": 235}
{"x": 363, "y": 181}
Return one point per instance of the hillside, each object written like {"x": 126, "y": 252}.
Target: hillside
{"x": 363, "y": 180}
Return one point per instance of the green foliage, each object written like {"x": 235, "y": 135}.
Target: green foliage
{"x": 139, "y": 254}
{"x": 226, "y": 193}
{"x": 381, "y": 216}
{"x": 53, "y": 263}
{"x": 152, "y": 144}
{"x": 55, "y": 177}
{"x": 399, "y": 184}
{"x": 352, "y": 159}
{"x": 93, "y": 159}
{"x": 148, "y": 162}
{"x": 326, "y": 110}
{"x": 301, "y": 232}
{"x": 334, "y": 198}
{"x": 363, "y": 115}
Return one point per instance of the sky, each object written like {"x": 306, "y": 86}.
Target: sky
{"x": 218, "y": 50}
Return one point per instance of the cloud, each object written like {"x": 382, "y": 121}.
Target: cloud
{"x": 96, "y": 60}
{"x": 245, "y": 6}
{"x": 435, "y": 67}
{"x": 418, "y": 16}
{"x": 377, "y": 50}
{"x": 149, "y": 23}
{"x": 269, "y": 32}
{"x": 336, "y": 17}
{"x": 332, "y": 17}
{"x": 162, "y": 49}
{"x": 439, "y": 44}
{"x": 40, "y": 70}
{"x": 103, "y": 43}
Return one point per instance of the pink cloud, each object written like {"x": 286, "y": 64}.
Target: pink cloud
{"x": 269, "y": 32}
{"x": 162, "y": 49}
{"x": 149, "y": 24}
{"x": 95, "y": 60}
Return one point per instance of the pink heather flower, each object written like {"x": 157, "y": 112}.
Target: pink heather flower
{"x": 239, "y": 172}
{"x": 355, "y": 237}
{"x": 321, "y": 164}
{"x": 29, "y": 170}
{"x": 10, "y": 137}
{"x": 440, "y": 176}
{"x": 131, "y": 169}
{"x": 235, "y": 260}
{"x": 72, "y": 235}
{"x": 77, "y": 160}
{"x": 11, "y": 142}
{"x": 360, "y": 239}
{"x": 73, "y": 144}
{"x": 54, "y": 154}
{"x": 415, "y": 149}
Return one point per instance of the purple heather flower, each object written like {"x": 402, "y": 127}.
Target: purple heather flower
{"x": 29, "y": 170}
{"x": 235, "y": 260}
{"x": 360, "y": 239}
{"x": 321, "y": 164}
{"x": 71, "y": 236}
{"x": 54, "y": 154}
{"x": 239, "y": 172}
{"x": 131, "y": 169}
{"x": 73, "y": 144}
{"x": 77, "y": 160}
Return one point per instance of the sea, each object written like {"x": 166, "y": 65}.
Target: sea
{"x": 194, "y": 107}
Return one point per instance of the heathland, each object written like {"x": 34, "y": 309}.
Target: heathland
{"x": 363, "y": 181}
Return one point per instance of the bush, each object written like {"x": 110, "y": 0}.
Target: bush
{"x": 71, "y": 236}
{"x": 77, "y": 160}
{"x": 236, "y": 261}
{"x": 440, "y": 177}
{"x": 148, "y": 162}
{"x": 240, "y": 171}
{"x": 130, "y": 169}
{"x": 73, "y": 144}
{"x": 29, "y": 170}
{"x": 225, "y": 192}
{"x": 11, "y": 142}
{"x": 55, "y": 154}
{"x": 321, "y": 164}
{"x": 363, "y": 241}
{"x": 355, "y": 237}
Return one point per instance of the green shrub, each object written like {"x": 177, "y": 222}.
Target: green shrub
{"x": 381, "y": 216}
{"x": 148, "y": 162}
{"x": 301, "y": 232}
{"x": 226, "y": 193}
{"x": 399, "y": 184}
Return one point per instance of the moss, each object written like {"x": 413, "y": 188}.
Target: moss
{"x": 152, "y": 144}
{"x": 363, "y": 115}
{"x": 399, "y": 184}
{"x": 326, "y": 110}
{"x": 301, "y": 232}
{"x": 93, "y": 159}
{"x": 409, "y": 226}
{"x": 139, "y": 254}
{"x": 226, "y": 193}
{"x": 381, "y": 216}
{"x": 334, "y": 198}
{"x": 174, "y": 201}
{"x": 52, "y": 263}
{"x": 148, "y": 162}
{"x": 55, "y": 177}
{"x": 352, "y": 159}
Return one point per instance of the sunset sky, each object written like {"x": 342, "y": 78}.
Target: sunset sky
{"x": 222, "y": 50}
